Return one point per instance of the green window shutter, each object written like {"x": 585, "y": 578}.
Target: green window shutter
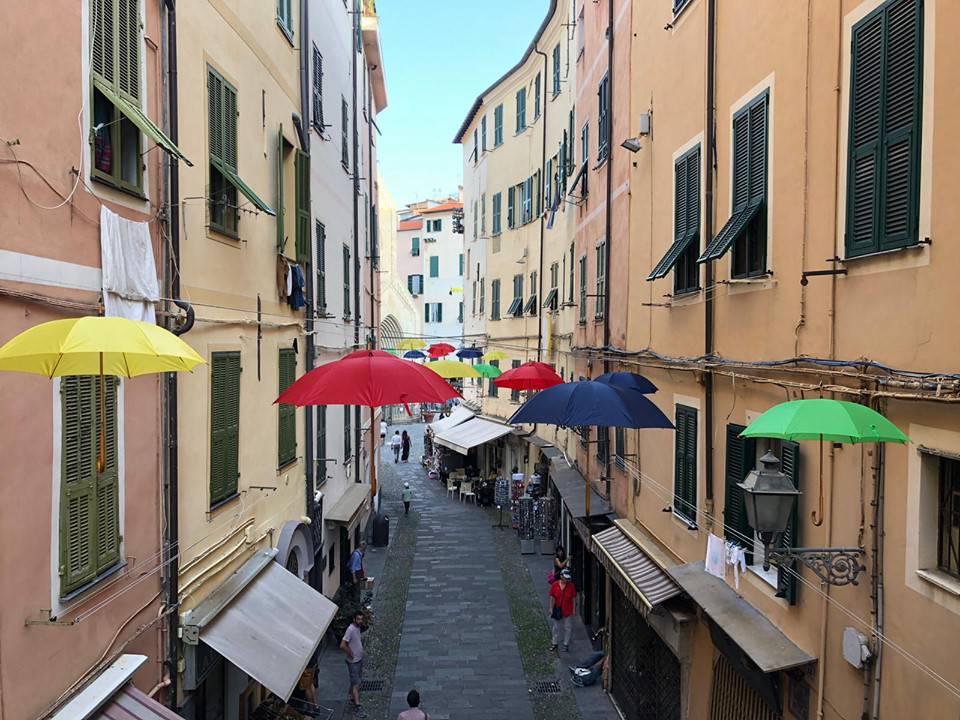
{"x": 224, "y": 425}
{"x": 347, "y": 435}
{"x": 741, "y": 455}
{"x": 78, "y": 482}
{"x": 286, "y": 414}
{"x": 461, "y": 263}
{"x": 346, "y": 281}
{"x": 281, "y": 211}
{"x": 321, "y": 443}
{"x": 434, "y": 266}
{"x": 787, "y": 581}
{"x": 344, "y": 132}
{"x": 439, "y": 312}
{"x": 302, "y": 162}
{"x": 321, "y": 267}
{"x": 108, "y": 481}
{"x": 426, "y": 312}
{"x": 103, "y": 21}
{"x": 128, "y": 47}
{"x": 685, "y": 469}
{"x": 318, "y": 90}
{"x": 229, "y": 126}
{"x": 215, "y": 114}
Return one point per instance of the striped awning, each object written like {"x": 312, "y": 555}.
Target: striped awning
{"x": 641, "y": 579}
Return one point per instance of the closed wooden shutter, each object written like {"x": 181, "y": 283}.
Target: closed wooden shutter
{"x": 78, "y": 483}
{"x": 787, "y": 581}
{"x": 286, "y": 414}
{"x": 281, "y": 212}
{"x": 224, "y": 425}
{"x": 685, "y": 473}
{"x": 302, "y": 163}
{"x": 115, "y": 41}
{"x": 346, "y": 281}
{"x": 215, "y": 115}
{"x": 883, "y": 171}
{"x": 317, "y": 89}
{"x": 108, "y": 481}
{"x": 103, "y": 21}
{"x": 321, "y": 263}
{"x": 741, "y": 454}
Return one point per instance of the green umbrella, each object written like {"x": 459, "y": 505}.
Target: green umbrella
{"x": 824, "y": 419}
{"x": 488, "y": 371}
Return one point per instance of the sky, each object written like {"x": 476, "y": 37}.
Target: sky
{"x": 438, "y": 55}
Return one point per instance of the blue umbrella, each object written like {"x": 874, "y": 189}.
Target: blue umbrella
{"x": 413, "y": 355}
{"x": 591, "y": 403}
{"x": 469, "y": 353}
{"x": 628, "y": 381}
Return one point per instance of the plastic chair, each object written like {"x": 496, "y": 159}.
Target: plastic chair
{"x": 451, "y": 487}
{"x": 466, "y": 491}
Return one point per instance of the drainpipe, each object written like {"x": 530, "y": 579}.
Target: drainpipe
{"x": 543, "y": 165}
{"x": 708, "y": 339}
{"x": 608, "y": 219}
{"x": 171, "y": 550}
{"x": 356, "y": 222}
{"x": 309, "y": 462}
{"x": 877, "y": 575}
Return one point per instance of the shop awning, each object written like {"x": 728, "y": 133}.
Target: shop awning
{"x": 271, "y": 628}
{"x": 759, "y": 638}
{"x": 132, "y": 704}
{"x": 459, "y": 415}
{"x": 349, "y": 508}
{"x": 472, "y": 433}
{"x": 570, "y": 484}
{"x": 641, "y": 579}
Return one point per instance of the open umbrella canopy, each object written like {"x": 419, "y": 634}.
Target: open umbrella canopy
{"x": 440, "y": 349}
{"x": 97, "y": 346}
{"x": 529, "y": 376}
{"x": 495, "y": 355}
{"x": 469, "y": 353}
{"x": 627, "y": 381}
{"x": 414, "y": 355}
{"x": 591, "y": 403}
{"x": 411, "y": 344}
{"x": 451, "y": 369}
{"x": 825, "y": 419}
{"x": 487, "y": 371}
{"x": 367, "y": 377}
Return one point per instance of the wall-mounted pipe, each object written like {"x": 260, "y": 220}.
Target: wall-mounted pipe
{"x": 708, "y": 307}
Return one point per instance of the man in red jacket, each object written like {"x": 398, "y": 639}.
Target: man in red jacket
{"x": 562, "y": 596}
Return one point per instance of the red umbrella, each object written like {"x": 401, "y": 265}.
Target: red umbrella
{"x": 529, "y": 376}
{"x": 368, "y": 377}
{"x": 440, "y": 350}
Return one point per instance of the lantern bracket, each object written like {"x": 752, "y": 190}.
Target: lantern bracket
{"x": 835, "y": 566}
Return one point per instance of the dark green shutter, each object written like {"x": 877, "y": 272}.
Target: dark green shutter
{"x": 346, "y": 281}
{"x": 685, "y": 471}
{"x": 115, "y": 39}
{"x": 281, "y": 210}
{"x": 286, "y": 414}
{"x": 321, "y": 268}
{"x": 787, "y": 581}
{"x": 741, "y": 456}
{"x": 317, "y": 90}
{"x": 439, "y": 312}
{"x": 224, "y": 425}
{"x": 215, "y": 115}
{"x": 426, "y": 312}
{"x": 302, "y": 163}
{"x": 78, "y": 482}
{"x": 108, "y": 481}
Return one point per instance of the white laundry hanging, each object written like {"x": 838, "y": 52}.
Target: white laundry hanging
{"x": 716, "y": 556}
{"x": 129, "y": 271}
{"x": 736, "y": 556}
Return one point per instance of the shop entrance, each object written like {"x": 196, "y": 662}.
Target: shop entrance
{"x": 645, "y": 679}
{"x": 345, "y": 576}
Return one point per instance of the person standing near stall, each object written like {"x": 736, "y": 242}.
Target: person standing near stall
{"x": 405, "y": 446}
{"x": 562, "y": 596}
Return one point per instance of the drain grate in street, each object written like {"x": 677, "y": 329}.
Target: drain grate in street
{"x": 371, "y": 686}
{"x": 547, "y": 687}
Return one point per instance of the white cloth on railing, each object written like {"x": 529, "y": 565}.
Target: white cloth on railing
{"x": 129, "y": 271}
{"x": 716, "y": 556}
{"x": 736, "y": 556}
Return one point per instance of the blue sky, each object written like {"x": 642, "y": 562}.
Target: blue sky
{"x": 438, "y": 55}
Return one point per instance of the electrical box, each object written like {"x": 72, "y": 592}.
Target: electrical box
{"x": 856, "y": 649}
{"x": 645, "y": 121}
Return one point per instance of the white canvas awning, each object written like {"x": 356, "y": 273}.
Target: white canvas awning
{"x": 271, "y": 628}
{"x": 350, "y": 507}
{"x": 459, "y": 415}
{"x": 472, "y": 433}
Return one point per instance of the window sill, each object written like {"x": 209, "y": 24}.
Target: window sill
{"x": 113, "y": 185}
{"x": 687, "y": 523}
{"x": 942, "y": 580}
{"x": 884, "y": 253}
{"x": 768, "y": 576}
{"x": 286, "y": 465}
{"x": 84, "y": 589}
{"x": 221, "y": 503}
{"x": 224, "y": 234}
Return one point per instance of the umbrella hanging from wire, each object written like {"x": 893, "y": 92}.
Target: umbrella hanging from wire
{"x": 589, "y": 403}
{"x": 452, "y": 369}
{"x": 438, "y": 350}
{"x": 469, "y": 353}
{"x": 411, "y": 344}
{"x": 487, "y": 371}
{"x": 529, "y": 376}
{"x": 414, "y": 355}
{"x": 495, "y": 355}
{"x": 627, "y": 381}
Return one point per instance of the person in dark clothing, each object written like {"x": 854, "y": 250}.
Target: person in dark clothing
{"x": 405, "y": 446}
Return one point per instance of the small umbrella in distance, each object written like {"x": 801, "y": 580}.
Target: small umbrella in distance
{"x": 438, "y": 350}
{"x": 469, "y": 353}
{"x": 488, "y": 371}
{"x": 411, "y": 344}
{"x": 451, "y": 369}
{"x": 414, "y": 355}
{"x": 529, "y": 376}
{"x": 495, "y": 355}
{"x": 627, "y": 381}
{"x": 592, "y": 404}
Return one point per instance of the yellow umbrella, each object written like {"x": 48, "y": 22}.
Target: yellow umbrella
{"x": 495, "y": 355}
{"x": 452, "y": 369}
{"x": 97, "y": 346}
{"x": 411, "y": 344}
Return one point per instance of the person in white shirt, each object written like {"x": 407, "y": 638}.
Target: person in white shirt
{"x": 383, "y": 432}
{"x": 396, "y": 442}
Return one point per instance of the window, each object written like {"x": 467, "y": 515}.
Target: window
{"x": 494, "y": 300}
{"x": 682, "y": 254}
{"x": 521, "y": 110}
{"x": 415, "y": 246}
{"x": 883, "y": 155}
{"x": 491, "y": 387}
{"x": 434, "y": 266}
{"x": 526, "y": 195}
{"x": 498, "y": 126}
{"x": 551, "y": 302}
{"x": 347, "y": 434}
{"x": 603, "y": 107}
{"x": 476, "y": 220}
{"x": 746, "y": 230}
{"x": 318, "y": 90}
{"x": 483, "y": 133}
{"x": 516, "y": 305}
{"x": 496, "y": 213}
{"x": 570, "y": 285}
{"x": 433, "y": 312}
{"x": 301, "y": 165}
{"x": 603, "y": 445}
{"x": 511, "y": 206}
{"x": 285, "y": 17}
{"x": 461, "y": 264}
{"x": 222, "y": 126}
{"x": 346, "y": 282}
{"x": 585, "y": 142}
{"x": 321, "y": 262}
{"x": 556, "y": 69}
{"x": 434, "y": 225}
{"x": 89, "y": 499}
{"x": 536, "y": 97}
{"x": 286, "y": 414}
{"x": 620, "y": 447}
{"x": 601, "y": 256}
{"x": 483, "y": 214}
{"x": 583, "y": 289}
{"x": 531, "y": 306}
{"x": 415, "y": 284}
{"x": 224, "y": 425}
{"x": 948, "y": 516}
{"x": 514, "y": 394}
{"x": 482, "y": 290}
{"x": 460, "y": 314}
{"x": 344, "y": 133}
{"x": 571, "y": 154}
{"x": 685, "y": 464}
{"x": 321, "y": 469}
{"x": 548, "y": 195}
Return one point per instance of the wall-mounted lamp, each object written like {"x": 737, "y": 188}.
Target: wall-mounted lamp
{"x": 631, "y": 144}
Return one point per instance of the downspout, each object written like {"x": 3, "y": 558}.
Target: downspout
{"x": 543, "y": 165}
{"x": 309, "y": 462}
{"x": 877, "y": 575}
{"x": 708, "y": 339}
{"x": 356, "y": 222}
{"x": 374, "y": 258}
{"x": 171, "y": 550}
{"x": 608, "y": 220}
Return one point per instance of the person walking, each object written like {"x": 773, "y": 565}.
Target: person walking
{"x": 405, "y": 446}
{"x": 407, "y": 496}
{"x": 413, "y": 712}
{"x": 357, "y": 572}
{"x": 383, "y": 432}
{"x": 352, "y": 645}
{"x": 562, "y": 595}
{"x": 395, "y": 443}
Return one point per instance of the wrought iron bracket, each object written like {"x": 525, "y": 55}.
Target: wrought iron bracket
{"x": 835, "y": 566}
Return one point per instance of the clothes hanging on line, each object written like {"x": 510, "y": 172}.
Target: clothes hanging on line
{"x": 716, "y": 556}
{"x": 297, "y": 284}
{"x": 737, "y": 557}
{"x": 129, "y": 271}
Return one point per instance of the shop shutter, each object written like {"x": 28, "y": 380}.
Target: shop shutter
{"x": 224, "y": 425}
{"x": 108, "y": 481}
{"x": 787, "y": 581}
{"x": 78, "y": 553}
{"x": 732, "y": 697}
{"x": 302, "y": 163}
{"x": 287, "y": 418}
{"x": 741, "y": 453}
